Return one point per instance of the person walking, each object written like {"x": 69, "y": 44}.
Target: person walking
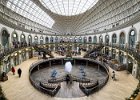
{"x": 19, "y": 72}
{"x": 13, "y": 70}
{"x": 113, "y": 76}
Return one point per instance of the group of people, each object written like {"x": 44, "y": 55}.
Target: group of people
{"x": 19, "y": 71}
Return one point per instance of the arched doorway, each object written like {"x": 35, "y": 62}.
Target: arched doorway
{"x": 23, "y": 40}
{"x": 51, "y": 39}
{"x": 47, "y": 40}
{"x": 114, "y": 39}
{"x": 107, "y": 39}
{"x": 75, "y": 39}
{"x": 6, "y": 64}
{"x": 56, "y": 39}
{"x": 132, "y": 39}
{"x": 61, "y": 40}
{"x": 90, "y": 39}
{"x": 15, "y": 40}
{"x": 122, "y": 40}
{"x": 36, "y": 39}
{"x": 100, "y": 39}
{"x": 16, "y": 58}
{"x": 80, "y": 39}
{"x": 5, "y": 39}
{"x": 85, "y": 39}
{"x": 70, "y": 39}
{"x": 41, "y": 40}
{"x": 29, "y": 40}
{"x": 95, "y": 39}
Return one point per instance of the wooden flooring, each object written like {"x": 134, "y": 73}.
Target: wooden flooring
{"x": 21, "y": 89}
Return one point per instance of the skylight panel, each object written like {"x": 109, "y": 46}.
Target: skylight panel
{"x": 68, "y": 7}
{"x": 31, "y": 11}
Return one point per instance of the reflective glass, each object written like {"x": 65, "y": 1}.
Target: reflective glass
{"x": 31, "y": 11}
{"x": 68, "y": 7}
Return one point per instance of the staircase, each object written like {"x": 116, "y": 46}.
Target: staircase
{"x": 45, "y": 51}
{"x": 97, "y": 49}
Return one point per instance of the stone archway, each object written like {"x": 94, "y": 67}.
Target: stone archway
{"x": 95, "y": 39}
{"x": 41, "y": 40}
{"x": 122, "y": 40}
{"x": 107, "y": 39}
{"x": 36, "y": 39}
{"x": 47, "y": 40}
{"x": 132, "y": 39}
{"x": 90, "y": 39}
{"x": 29, "y": 39}
{"x": 5, "y": 38}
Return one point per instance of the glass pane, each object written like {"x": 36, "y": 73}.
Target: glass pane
{"x": 68, "y": 7}
{"x": 31, "y": 11}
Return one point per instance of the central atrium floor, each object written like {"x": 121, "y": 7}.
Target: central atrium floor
{"x": 21, "y": 89}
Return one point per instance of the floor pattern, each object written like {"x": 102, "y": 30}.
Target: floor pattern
{"x": 21, "y": 89}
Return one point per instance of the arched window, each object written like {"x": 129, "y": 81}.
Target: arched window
{"x": 14, "y": 37}
{"x": 5, "y": 39}
{"x": 46, "y": 39}
{"x": 90, "y": 39}
{"x": 29, "y": 39}
{"x": 85, "y": 39}
{"x": 122, "y": 40}
{"x": 51, "y": 39}
{"x": 36, "y": 39}
{"x": 56, "y": 39}
{"x": 75, "y": 39}
{"x": 132, "y": 38}
{"x": 61, "y": 39}
{"x": 95, "y": 39}
{"x": 114, "y": 38}
{"x": 22, "y": 38}
{"x": 80, "y": 39}
{"x": 107, "y": 39}
{"x": 71, "y": 39}
{"x": 100, "y": 39}
{"x": 41, "y": 40}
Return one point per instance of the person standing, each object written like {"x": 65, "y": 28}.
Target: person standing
{"x": 67, "y": 79}
{"x": 13, "y": 70}
{"x": 19, "y": 72}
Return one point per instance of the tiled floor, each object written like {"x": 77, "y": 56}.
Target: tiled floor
{"x": 21, "y": 89}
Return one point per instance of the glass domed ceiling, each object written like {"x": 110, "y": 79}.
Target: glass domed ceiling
{"x": 30, "y": 10}
{"x": 68, "y": 7}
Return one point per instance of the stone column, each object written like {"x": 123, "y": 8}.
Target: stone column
{"x": 134, "y": 70}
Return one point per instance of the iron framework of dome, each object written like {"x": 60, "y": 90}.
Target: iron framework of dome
{"x": 68, "y": 7}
